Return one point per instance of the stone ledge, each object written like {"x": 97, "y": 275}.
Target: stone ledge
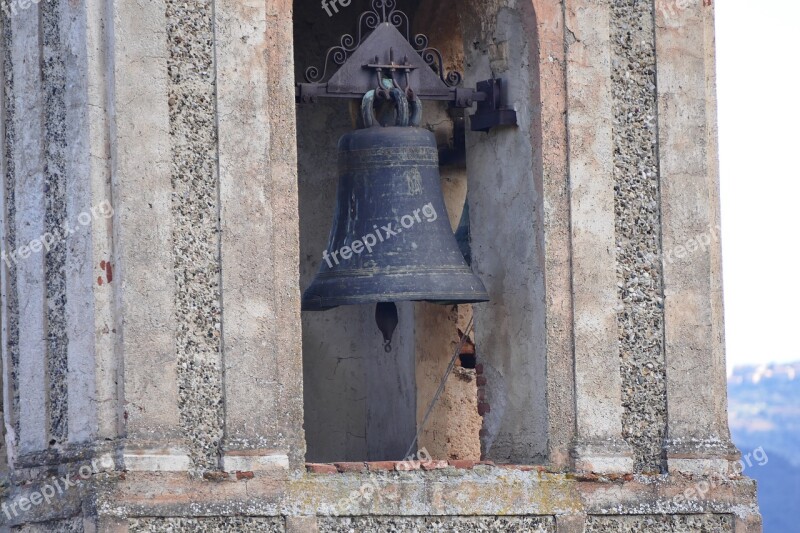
{"x": 609, "y": 457}
{"x": 156, "y": 461}
{"x": 405, "y": 466}
{"x": 254, "y": 462}
{"x": 450, "y": 491}
{"x": 490, "y": 491}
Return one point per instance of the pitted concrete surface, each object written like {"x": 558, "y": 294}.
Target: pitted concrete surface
{"x": 70, "y": 525}
{"x": 54, "y": 84}
{"x": 12, "y": 301}
{"x": 660, "y": 524}
{"x": 201, "y": 525}
{"x": 426, "y": 524}
{"x": 638, "y": 223}
{"x": 195, "y": 236}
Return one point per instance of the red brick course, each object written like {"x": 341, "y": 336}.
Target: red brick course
{"x": 351, "y": 467}
{"x": 318, "y": 468}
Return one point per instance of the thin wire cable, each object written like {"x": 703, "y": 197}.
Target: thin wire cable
{"x": 440, "y": 390}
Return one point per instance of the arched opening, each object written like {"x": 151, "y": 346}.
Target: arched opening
{"x": 361, "y": 404}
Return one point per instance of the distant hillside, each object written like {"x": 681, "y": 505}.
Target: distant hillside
{"x": 764, "y": 414}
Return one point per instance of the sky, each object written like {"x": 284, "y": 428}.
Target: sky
{"x": 758, "y": 58}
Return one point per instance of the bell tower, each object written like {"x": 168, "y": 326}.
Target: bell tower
{"x": 171, "y": 170}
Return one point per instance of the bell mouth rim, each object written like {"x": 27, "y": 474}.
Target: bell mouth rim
{"x": 389, "y": 270}
{"x": 324, "y": 304}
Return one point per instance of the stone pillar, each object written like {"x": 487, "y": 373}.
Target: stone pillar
{"x": 698, "y": 438}
{"x": 550, "y": 132}
{"x": 29, "y": 222}
{"x": 8, "y": 279}
{"x": 142, "y": 190}
{"x": 92, "y": 374}
{"x": 507, "y": 226}
{"x": 259, "y": 244}
{"x": 598, "y": 445}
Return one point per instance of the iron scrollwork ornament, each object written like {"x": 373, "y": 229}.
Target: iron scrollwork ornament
{"x": 382, "y": 12}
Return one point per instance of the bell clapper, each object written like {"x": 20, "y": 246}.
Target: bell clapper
{"x": 387, "y": 320}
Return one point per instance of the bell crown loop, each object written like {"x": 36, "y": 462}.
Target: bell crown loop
{"x": 408, "y": 114}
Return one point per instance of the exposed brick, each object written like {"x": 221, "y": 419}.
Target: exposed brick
{"x": 480, "y": 381}
{"x": 479, "y": 369}
{"x": 381, "y": 466}
{"x": 404, "y": 466}
{"x": 484, "y": 408}
{"x": 351, "y": 467}
{"x": 319, "y": 468}
{"x": 244, "y": 475}
{"x": 462, "y": 464}
{"x": 434, "y": 465}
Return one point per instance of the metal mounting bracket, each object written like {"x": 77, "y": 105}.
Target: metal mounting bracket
{"x": 382, "y": 53}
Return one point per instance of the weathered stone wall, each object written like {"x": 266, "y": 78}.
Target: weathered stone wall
{"x": 507, "y": 231}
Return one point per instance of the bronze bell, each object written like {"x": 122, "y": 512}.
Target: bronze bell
{"x": 391, "y": 239}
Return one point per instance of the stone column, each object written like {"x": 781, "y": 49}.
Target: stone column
{"x": 598, "y": 445}
{"x": 59, "y": 326}
{"x": 698, "y": 438}
{"x": 262, "y": 358}
{"x": 142, "y": 191}
{"x": 507, "y": 227}
{"x": 29, "y": 221}
{"x": 93, "y": 409}
{"x": 550, "y": 132}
